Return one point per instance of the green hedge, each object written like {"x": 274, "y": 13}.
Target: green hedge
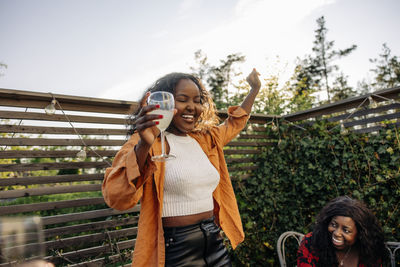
{"x": 305, "y": 170}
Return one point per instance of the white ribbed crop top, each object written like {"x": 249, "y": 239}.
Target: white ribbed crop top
{"x": 190, "y": 178}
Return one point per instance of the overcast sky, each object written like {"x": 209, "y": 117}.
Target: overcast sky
{"x": 116, "y": 48}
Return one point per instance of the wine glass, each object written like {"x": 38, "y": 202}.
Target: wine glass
{"x": 166, "y": 102}
{"x": 21, "y": 239}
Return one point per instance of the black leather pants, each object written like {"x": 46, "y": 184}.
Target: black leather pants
{"x": 195, "y": 245}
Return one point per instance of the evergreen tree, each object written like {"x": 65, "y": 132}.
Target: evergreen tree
{"x": 316, "y": 69}
{"x": 364, "y": 87}
{"x": 218, "y": 78}
{"x": 341, "y": 89}
{"x": 387, "y": 70}
{"x": 301, "y": 88}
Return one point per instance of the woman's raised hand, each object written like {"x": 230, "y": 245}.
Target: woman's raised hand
{"x": 255, "y": 84}
{"x": 254, "y": 80}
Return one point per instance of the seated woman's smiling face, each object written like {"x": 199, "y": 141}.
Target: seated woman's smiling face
{"x": 344, "y": 232}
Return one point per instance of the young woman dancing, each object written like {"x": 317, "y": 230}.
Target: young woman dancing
{"x": 186, "y": 201}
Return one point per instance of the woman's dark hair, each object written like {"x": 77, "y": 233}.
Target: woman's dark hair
{"x": 168, "y": 83}
{"x": 370, "y": 238}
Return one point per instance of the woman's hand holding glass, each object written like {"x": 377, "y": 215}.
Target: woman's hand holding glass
{"x": 146, "y": 124}
{"x": 155, "y": 116}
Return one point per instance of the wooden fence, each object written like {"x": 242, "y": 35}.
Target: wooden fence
{"x": 40, "y": 173}
{"x": 362, "y": 114}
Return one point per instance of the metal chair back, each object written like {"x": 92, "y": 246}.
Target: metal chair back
{"x": 392, "y": 247}
{"x": 281, "y": 244}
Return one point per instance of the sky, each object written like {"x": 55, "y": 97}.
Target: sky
{"x": 116, "y": 48}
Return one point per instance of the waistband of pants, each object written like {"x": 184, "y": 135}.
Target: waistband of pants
{"x": 181, "y": 229}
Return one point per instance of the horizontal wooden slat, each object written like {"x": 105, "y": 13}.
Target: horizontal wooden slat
{"x": 85, "y": 240}
{"x": 241, "y": 151}
{"x": 51, "y": 179}
{"x": 58, "y": 142}
{"x": 253, "y": 136}
{"x": 346, "y": 104}
{"x": 59, "y": 246}
{"x": 364, "y": 112}
{"x": 375, "y": 128}
{"x": 254, "y": 117}
{"x": 6, "y": 210}
{"x": 367, "y": 129}
{"x": 9, "y": 252}
{"x": 78, "y": 255}
{"x": 262, "y": 119}
{"x": 86, "y": 215}
{"x": 106, "y": 261}
{"x": 257, "y": 144}
{"x": 59, "y": 117}
{"x": 363, "y": 124}
{"x": 258, "y": 128}
{"x": 241, "y": 176}
{"x": 91, "y": 226}
{"x": 49, "y": 190}
{"x": 51, "y": 166}
{"x": 372, "y": 119}
{"x": 11, "y": 154}
{"x": 30, "y": 240}
{"x": 239, "y": 160}
{"x": 59, "y": 130}
{"x": 20, "y": 98}
{"x": 93, "y": 142}
{"x": 242, "y": 168}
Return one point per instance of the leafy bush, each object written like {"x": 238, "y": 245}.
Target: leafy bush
{"x": 306, "y": 169}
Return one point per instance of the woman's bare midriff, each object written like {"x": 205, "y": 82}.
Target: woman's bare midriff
{"x": 178, "y": 221}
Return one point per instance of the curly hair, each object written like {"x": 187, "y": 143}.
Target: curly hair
{"x": 208, "y": 117}
{"x": 370, "y": 237}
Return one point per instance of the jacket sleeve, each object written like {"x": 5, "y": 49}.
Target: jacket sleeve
{"x": 231, "y": 127}
{"x": 123, "y": 182}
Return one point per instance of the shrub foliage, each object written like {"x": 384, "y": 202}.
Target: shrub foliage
{"x": 306, "y": 169}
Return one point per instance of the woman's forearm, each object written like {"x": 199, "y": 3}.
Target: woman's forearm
{"x": 142, "y": 151}
{"x": 248, "y": 102}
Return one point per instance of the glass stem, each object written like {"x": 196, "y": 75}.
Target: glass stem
{"x": 162, "y": 143}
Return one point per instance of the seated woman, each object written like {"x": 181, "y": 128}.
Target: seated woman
{"x": 346, "y": 233}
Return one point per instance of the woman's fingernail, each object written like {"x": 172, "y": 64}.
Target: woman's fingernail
{"x": 157, "y": 122}
{"x": 160, "y": 116}
{"x": 157, "y": 106}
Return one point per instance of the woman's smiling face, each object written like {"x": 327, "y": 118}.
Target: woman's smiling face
{"x": 344, "y": 232}
{"x": 188, "y": 106}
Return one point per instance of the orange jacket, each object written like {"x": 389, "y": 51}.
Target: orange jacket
{"x": 120, "y": 192}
